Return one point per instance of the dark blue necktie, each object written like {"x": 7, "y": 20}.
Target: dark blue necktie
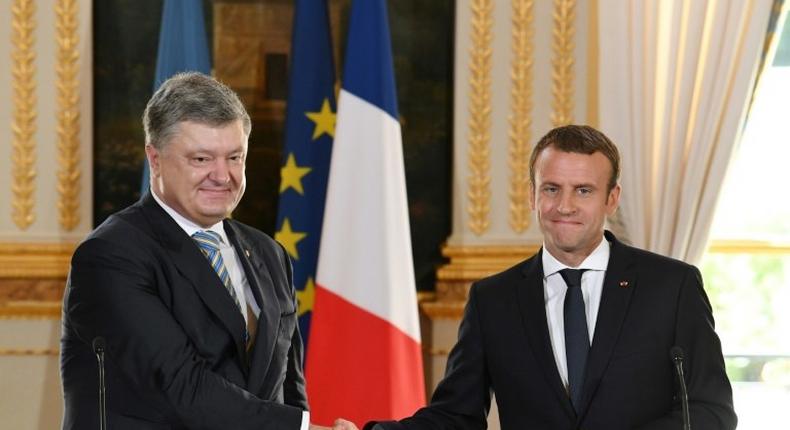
{"x": 577, "y": 338}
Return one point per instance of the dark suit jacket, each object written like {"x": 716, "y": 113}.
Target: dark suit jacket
{"x": 649, "y": 303}
{"x": 175, "y": 354}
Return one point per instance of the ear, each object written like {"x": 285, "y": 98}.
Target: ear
{"x": 153, "y": 155}
{"x": 613, "y": 200}
{"x": 532, "y": 196}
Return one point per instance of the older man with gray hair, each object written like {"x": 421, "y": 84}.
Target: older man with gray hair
{"x": 196, "y": 312}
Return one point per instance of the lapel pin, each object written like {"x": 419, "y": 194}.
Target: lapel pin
{"x": 623, "y": 284}
{"x": 247, "y": 251}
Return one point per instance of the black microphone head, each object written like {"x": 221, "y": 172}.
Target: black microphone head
{"x": 676, "y": 353}
{"x": 98, "y": 344}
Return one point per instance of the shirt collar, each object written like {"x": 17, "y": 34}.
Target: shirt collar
{"x": 187, "y": 225}
{"x": 597, "y": 260}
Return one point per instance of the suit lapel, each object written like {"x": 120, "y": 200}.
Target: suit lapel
{"x": 257, "y": 270}
{"x": 533, "y": 311}
{"x": 618, "y": 286}
{"x": 193, "y": 266}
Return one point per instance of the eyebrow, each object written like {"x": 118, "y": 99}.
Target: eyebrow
{"x": 204, "y": 150}
{"x": 582, "y": 185}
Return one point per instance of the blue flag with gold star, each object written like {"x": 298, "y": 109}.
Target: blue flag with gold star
{"x": 309, "y": 132}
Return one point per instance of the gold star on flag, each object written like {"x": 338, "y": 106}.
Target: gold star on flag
{"x": 291, "y": 175}
{"x": 306, "y": 297}
{"x": 324, "y": 120}
{"x": 289, "y": 238}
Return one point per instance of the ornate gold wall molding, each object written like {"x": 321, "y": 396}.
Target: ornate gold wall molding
{"x": 748, "y": 247}
{"x": 35, "y": 260}
{"x": 562, "y": 74}
{"x": 24, "y": 117}
{"x": 467, "y": 265}
{"x": 32, "y": 279}
{"x": 521, "y": 117}
{"x": 30, "y": 310}
{"x": 68, "y": 113}
{"x": 471, "y": 263}
{"x": 478, "y": 191}
{"x": 27, "y": 352}
{"x": 32, "y": 298}
{"x": 593, "y": 54}
{"x": 442, "y": 310}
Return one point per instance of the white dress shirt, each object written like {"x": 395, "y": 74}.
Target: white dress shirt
{"x": 554, "y": 289}
{"x": 232, "y": 263}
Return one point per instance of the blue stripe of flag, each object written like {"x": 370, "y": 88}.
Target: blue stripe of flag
{"x": 368, "y": 72}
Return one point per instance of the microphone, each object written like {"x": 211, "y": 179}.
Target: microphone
{"x": 676, "y": 354}
{"x": 98, "y": 348}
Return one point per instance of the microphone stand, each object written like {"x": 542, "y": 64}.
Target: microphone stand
{"x": 98, "y": 349}
{"x": 677, "y": 358}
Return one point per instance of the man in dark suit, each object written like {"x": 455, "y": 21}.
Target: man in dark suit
{"x": 579, "y": 335}
{"x": 197, "y": 311}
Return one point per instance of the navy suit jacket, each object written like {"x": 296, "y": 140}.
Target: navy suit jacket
{"x": 649, "y": 303}
{"x": 175, "y": 355}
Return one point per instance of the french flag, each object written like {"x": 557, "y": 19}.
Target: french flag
{"x": 364, "y": 358}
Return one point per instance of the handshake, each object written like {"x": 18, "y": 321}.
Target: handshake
{"x": 340, "y": 424}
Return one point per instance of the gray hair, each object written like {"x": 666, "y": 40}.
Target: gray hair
{"x": 190, "y": 97}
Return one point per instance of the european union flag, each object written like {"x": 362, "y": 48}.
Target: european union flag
{"x": 309, "y": 132}
{"x": 183, "y": 47}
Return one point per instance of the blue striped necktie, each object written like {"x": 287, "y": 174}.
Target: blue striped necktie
{"x": 208, "y": 241}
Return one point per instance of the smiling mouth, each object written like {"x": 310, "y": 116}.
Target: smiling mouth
{"x": 215, "y": 192}
{"x": 566, "y": 222}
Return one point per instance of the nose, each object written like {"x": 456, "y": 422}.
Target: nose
{"x": 221, "y": 171}
{"x": 565, "y": 204}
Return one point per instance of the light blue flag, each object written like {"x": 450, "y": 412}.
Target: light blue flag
{"x": 183, "y": 47}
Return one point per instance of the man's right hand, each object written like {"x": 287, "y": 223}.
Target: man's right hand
{"x": 340, "y": 424}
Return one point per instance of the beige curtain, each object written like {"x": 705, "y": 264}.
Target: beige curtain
{"x": 675, "y": 80}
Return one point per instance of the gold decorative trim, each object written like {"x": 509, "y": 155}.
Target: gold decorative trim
{"x": 484, "y": 254}
{"x": 562, "y": 74}
{"x": 24, "y": 116}
{"x": 29, "y": 310}
{"x": 467, "y": 265}
{"x": 68, "y": 114}
{"x": 26, "y": 260}
{"x": 478, "y": 192}
{"x": 426, "y": 296}
{"x": 748, "y": 247}
{"x": 521, "y": 117}
{"x": 442, "y": 310}
{"x": 471, "y": 263}
{"x": 437, "y": 351}
{"x": 593, "y": 55}
{"x": 27, "y": 352}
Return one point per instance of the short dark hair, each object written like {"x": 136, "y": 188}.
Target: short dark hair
{"x": 194, "y": 97}
{"x": 581, "y": 139}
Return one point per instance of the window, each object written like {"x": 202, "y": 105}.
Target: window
{"x": 747, "y": 266}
